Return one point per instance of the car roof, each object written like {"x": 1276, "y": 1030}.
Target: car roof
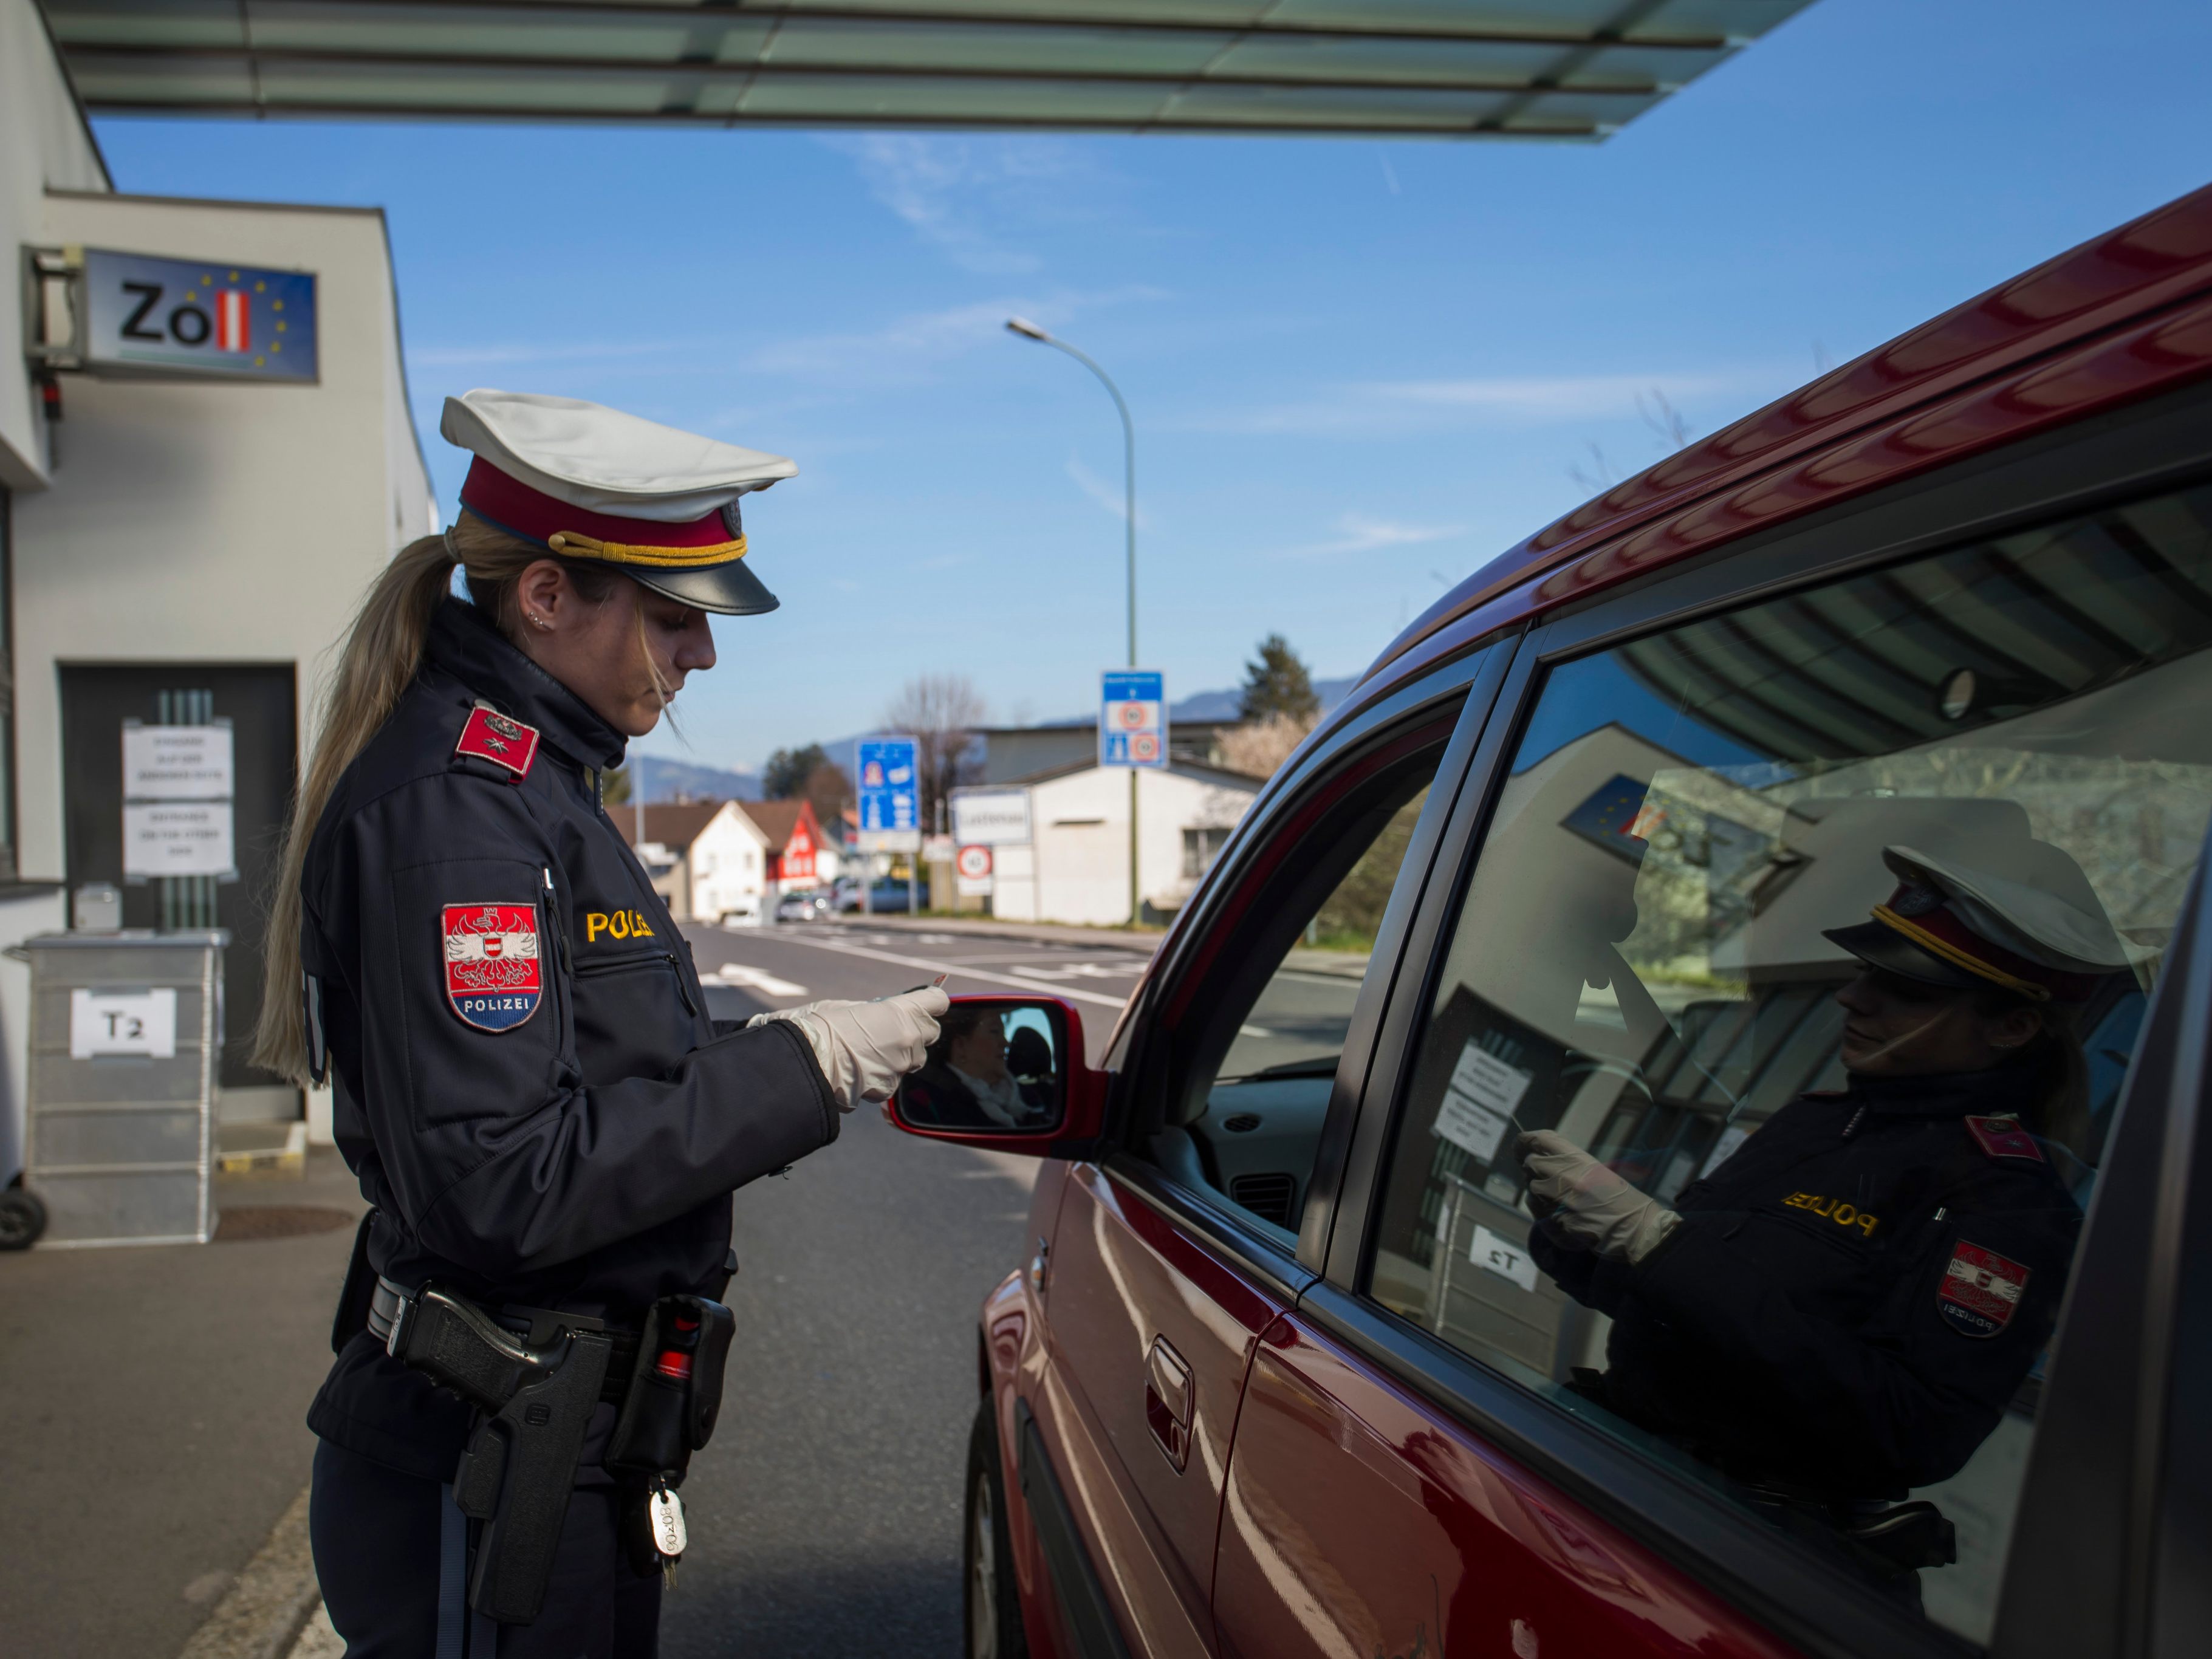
{"x": 2122, "y": 316}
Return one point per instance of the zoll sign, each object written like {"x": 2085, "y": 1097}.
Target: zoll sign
{"x": 140, "y": 314}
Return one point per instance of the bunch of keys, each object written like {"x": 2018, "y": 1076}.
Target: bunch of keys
{"x": 664, "y": 1514}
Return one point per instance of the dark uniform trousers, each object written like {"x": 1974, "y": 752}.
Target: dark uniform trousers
{"x": 379, "y": 1537}
{"x": 568, "y": 1139}
{"x": 1853, "y": 1298}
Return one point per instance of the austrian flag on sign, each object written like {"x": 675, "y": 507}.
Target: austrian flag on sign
{"x": 1981, "y": 1290}
{"x": 492, "y": 976}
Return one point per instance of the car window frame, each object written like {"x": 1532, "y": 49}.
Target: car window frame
{"x": 2120, "y": 455}
{"x": 1138, "y": 1056}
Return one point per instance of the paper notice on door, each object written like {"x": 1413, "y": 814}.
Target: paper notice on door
{"x": 1479, "y": 1103}
{"x": 178, "y": 838}
{"x": 1503, "y": 1257}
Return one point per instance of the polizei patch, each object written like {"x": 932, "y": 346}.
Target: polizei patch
{"x": 492, "y": 976}
{"x": 1981, "y": 1290}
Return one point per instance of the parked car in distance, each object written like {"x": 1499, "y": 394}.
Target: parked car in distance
{"x": 1288, "y": 1369}
{"x": 886, "y": 896}
{"x": 809, "y": 904}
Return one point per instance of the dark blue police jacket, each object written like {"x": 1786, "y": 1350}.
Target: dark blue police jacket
{"x": 527, "y": 1081}
{"x": 1853, "y": 1298}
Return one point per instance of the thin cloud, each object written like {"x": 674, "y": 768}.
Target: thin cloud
{"x": 1356, "y": 533}
{"x": 902, "y": 348}
{"x": 963, "y": 195}
{"x": 1113, "y": 497}
{"x": 1387, "y": 408}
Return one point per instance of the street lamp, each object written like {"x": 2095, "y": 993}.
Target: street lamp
{"x": 1029, "y": 331}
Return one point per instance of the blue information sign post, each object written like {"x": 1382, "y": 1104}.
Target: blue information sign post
{"x": 1133, "y": 720}
{"x": 890, "y": 807}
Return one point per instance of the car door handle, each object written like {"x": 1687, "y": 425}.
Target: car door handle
{"x": 1168, "y": 1401}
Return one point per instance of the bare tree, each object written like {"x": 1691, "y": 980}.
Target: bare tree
{"x": 940, "y": 712}
{"x": 1665, "y": 420}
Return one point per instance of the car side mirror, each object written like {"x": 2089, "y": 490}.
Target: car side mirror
{"x": 1005, "y": 1074}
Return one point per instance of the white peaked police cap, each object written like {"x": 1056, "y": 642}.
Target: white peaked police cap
{"x": 588, "y": 482}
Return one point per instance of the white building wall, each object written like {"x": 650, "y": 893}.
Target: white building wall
{"x": 728, "y": 865}
{"x": 1077, "y": 869}
{"x": 43, "y": 146}
{"x": 212, "y": 522}
{"x": 174, "y": 521}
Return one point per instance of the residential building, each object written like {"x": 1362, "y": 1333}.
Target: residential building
{"x": 708, "y": 859}
{"x": 1076, "y": 866}
{"x": 800, "y": 855}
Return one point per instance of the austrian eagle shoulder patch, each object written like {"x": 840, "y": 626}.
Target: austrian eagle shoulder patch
{"x": 499, "y": 738}
{"x": 1980, "y": 1290}
{"x": 493, "y": 977}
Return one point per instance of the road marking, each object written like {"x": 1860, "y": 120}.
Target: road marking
{"x": 937, "y": 967}
{"x": 757, "y": 979}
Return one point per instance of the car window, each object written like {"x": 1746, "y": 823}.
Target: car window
{"x": 1255, "y": 1058}
{"x": 1818, "y": 933}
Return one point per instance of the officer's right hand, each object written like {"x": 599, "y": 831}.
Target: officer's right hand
{"x": 865, "y": 1048}
{"x": 1586, "y": 1205}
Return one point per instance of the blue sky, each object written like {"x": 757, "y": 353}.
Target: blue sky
{"x": 1359, "y": 369}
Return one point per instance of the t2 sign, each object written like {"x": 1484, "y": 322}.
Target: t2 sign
{"x": 148, "y": 315}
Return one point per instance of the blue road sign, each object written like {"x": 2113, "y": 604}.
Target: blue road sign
{"x": 1132, "y": 719}
{"x": 152, "y": 315}
{"x": 890, "y": 787}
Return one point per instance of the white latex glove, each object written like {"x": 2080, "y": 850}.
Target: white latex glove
{"x": 865, "y": 1048}
{"x": 1585, "y": 1205}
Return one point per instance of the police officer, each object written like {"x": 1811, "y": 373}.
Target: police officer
{"x": 547, "y": 1122}
{"x": 1841, "y": 1310}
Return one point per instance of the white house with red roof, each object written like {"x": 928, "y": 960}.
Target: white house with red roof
{"x": 709, "y": 859}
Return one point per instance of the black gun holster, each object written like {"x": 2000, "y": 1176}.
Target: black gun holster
{"x": 520, "y": 1465}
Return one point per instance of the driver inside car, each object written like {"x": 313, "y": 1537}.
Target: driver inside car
{"x": 976, "y": 1076}
{"x": 1841, "y": 1310}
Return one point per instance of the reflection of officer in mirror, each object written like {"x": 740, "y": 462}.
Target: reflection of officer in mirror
{"x": 546, "y": 1121}
{"x": 1842, "y": 1309}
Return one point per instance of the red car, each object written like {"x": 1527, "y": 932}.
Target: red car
{"x": 1293, "y": 1369}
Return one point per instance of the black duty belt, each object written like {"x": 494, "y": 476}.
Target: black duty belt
{"x": 389, "y": 1302}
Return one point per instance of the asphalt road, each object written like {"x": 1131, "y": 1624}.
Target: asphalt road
{"x": 825, "y": 1518}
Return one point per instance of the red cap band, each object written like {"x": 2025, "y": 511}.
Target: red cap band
{"x": 1942, "y": 934}
{"x": 514, "y": 507}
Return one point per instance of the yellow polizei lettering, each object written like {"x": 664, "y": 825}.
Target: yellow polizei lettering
{"x": 1835, "y": 1210}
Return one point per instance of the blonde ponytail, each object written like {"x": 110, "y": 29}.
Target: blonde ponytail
{"x": 380, "y": 657}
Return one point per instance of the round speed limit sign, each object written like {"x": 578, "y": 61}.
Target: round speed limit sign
{"x": 974, "y": 862}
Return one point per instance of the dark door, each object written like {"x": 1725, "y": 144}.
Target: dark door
{"x": 260, "y": 701}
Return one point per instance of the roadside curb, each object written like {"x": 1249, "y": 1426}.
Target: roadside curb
{"x": 263, "y": 1612}
{"x": 1045, "y": 932}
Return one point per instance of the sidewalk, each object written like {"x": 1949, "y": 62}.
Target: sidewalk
{"x": 155, "y": 1399}
{"x": 1120, "y": 939}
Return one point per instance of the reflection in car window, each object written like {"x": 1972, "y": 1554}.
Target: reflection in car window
{"x": 1794, "y": 989}
{"x": 1247, "y": 1127}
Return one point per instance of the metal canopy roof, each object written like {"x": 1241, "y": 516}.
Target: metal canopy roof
{"x": 1519, "y": 69}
